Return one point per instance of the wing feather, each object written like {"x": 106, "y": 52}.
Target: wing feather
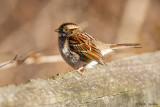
{"x": 82, "y": 45}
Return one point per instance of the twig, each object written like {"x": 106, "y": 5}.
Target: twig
{"x": 14, "y": 59}
{"x": 32, "y": 58}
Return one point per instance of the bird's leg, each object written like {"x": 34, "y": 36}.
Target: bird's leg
{"x": 81, "y": 69}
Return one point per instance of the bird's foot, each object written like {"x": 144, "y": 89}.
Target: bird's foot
{"x": 79, "y": 70}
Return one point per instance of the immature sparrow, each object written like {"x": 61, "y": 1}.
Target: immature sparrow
{"x": 80, "y": 49}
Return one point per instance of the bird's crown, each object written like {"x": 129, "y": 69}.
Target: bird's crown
{"x": 68, "y": 26}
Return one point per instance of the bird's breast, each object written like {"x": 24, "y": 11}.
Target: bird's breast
{"x": 70, "y": 57}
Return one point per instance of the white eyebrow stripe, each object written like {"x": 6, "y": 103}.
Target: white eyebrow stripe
{"x": 72, "y": 26}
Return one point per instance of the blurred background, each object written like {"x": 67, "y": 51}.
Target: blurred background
{"x": 27, "y": 26}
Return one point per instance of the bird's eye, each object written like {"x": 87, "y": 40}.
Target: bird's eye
{"x": 65, "y": 30}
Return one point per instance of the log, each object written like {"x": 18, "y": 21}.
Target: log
{"x": 128, "y": 82}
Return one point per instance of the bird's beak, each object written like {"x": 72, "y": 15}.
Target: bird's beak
{"x": 57, "y": 30}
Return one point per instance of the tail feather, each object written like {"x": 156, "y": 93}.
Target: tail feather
{"x": 123, "y": 46}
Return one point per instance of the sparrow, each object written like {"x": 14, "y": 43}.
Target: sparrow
{"x": 79, "y": 49}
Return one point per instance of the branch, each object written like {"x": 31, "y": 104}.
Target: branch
{"x": 132, "y": 81}
{"x": 31, "y": 58}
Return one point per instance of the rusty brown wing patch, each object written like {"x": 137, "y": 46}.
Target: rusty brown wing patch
{"x": 83, "y": 45}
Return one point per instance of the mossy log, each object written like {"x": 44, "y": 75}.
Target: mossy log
{"x": 129, "y": 82}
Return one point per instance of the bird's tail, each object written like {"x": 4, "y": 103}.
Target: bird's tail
{"x": 125, "y": 45}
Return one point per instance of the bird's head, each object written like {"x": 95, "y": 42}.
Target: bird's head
{"x": 67, "y": 28}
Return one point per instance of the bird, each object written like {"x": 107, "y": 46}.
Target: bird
{"x": 81, "y": 50}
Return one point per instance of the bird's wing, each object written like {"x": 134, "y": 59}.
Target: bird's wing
{"x": 83, "y": 45}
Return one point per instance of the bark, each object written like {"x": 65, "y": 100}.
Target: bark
{"x": 129, "y": 82}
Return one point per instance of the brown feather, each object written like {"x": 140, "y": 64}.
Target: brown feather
{"x": 83, "y": 45}
{"x": 125, "y": 45}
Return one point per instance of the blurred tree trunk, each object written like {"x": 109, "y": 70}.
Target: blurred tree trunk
{"x": 132, "y": 20}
